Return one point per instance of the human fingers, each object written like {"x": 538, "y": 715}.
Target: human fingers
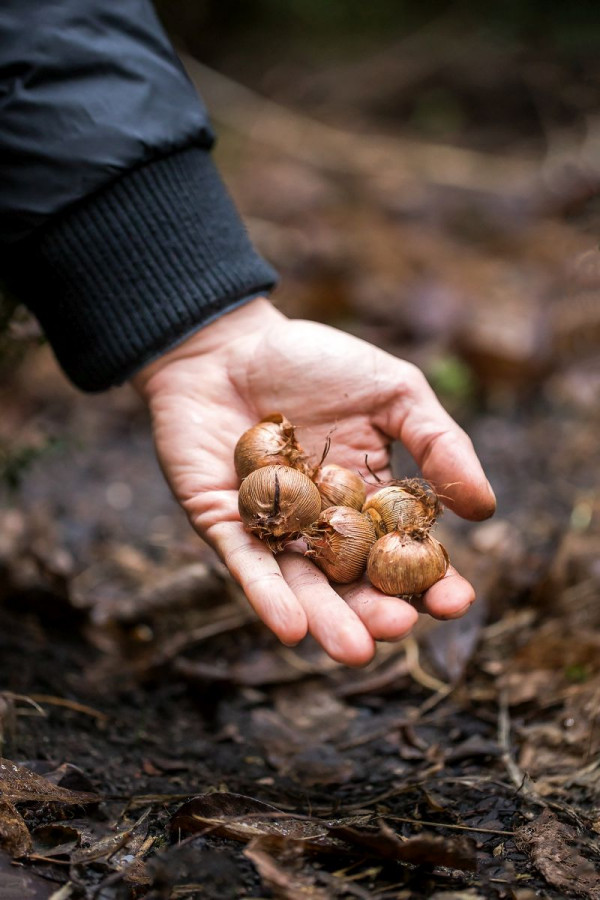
{"x": 331, "y": 621}
{"x": 386, "y": 618}
{"x": 255, "y": 569}
{"x": 443, "y": 451}
{"x": 450, "y": 597}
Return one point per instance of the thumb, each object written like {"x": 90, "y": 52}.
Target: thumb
{"x": 443, "y": 451}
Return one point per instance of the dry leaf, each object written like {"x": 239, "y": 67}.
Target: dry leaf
{"x": 283, "y": 882}
{"x": 423, "y": 849}
{"x": 55, "y": 839}
{"x": 18, "y": 784}
{"x": 14, "y": 834}
{"x": 554, "y": 850}
{"x": 244, "y": 818}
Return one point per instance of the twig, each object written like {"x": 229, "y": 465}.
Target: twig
{"x": 36, "y": 857}
{"x": 70, "y": 704}
{"x": 145, "y": 799}
{"x": 519, "y": 778}
{"x": 25, "y": 699}
{"x": 433, "y": 701}
{"x": 418, "y": 674}
{"x": 447, "y": 825}
{"x": 379, "y": 798}
{"x": 63, "y": 893}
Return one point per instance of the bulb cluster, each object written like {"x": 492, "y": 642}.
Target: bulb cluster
{"x": 283, "y": 497}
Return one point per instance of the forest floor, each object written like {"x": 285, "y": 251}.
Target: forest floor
{"x": 157, "y": 741}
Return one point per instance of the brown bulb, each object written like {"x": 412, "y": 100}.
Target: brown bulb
{"x": 277, "y": 503}
{"x": 401, "y": 565}
{"x": 272, "y": 442}
{"x": 410, "y": 506}
{"x": 339, "y": 543}
{"x": 340, "y": 487}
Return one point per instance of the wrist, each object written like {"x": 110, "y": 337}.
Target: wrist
{"x": 215, "y": 338}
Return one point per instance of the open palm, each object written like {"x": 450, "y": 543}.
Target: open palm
{"x": 254, "y": 361}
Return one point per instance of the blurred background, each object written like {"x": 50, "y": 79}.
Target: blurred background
{"x": 424, "y": 176}
{"x": 424, "y": 173}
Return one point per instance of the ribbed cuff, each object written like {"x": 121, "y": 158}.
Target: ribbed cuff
{"x": 137, "y": 267}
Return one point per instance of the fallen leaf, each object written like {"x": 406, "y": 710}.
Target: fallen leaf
{"x": 71, "y": 777}
{"x": 423, "y": 849}
{"x": 18, "y": 784}
{"x": 554, "y": 850}
{"x": 14, "y": 834}
{"x": 244, "y": 818}
{"x": 282, "y": 881}
{"x": 55, "y": 839}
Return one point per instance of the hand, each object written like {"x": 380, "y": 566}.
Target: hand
{"x": 253, "y": 361}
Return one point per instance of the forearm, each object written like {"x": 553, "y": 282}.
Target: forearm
{"x": 125, "y": 275}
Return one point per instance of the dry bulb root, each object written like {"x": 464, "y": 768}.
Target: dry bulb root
{"x": 339, "y": 543}
{"x": 403, "y": 565}
{"x": 284, "y": 497}
{"x": 277, "y": 503}
{"x": 272, "y": 442}
{"x": 340, "y": 487}
{"x": 410, "y": 505}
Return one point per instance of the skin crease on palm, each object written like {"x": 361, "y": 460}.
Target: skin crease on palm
{"x": 209, "y": 389}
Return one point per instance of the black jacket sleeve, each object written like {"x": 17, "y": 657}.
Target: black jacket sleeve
{"x": 115, "y": 228}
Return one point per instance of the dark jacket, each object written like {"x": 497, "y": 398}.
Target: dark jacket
{"x": 115, "y": 228}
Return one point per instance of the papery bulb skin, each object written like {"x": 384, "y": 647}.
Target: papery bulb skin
{"x": 401, "y": 565}
{"x": 410, "y": 506}
{"x": 271, "y": 442}
{"x": 339, "y": 486}
{"x": 277, "y": 503}
{"x": 339, "y": 543}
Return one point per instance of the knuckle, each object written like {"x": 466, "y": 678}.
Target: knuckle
{"x": 414, "y": 379}
{"x": 304, "y": 581}
{"x": 264, "y": 579}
